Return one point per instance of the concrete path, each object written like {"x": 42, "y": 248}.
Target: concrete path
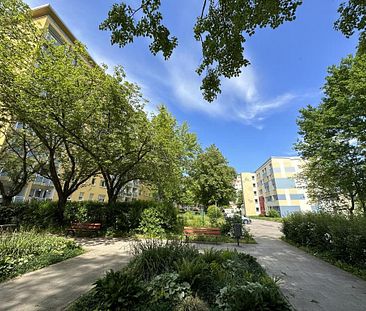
{"x": 307, "y": 282}
{"x": 56, "y": 286}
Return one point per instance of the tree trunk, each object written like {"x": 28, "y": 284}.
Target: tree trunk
{"x": 352, "y": 206}
{"x": 7, "y": 200}
{"x": 112, "y": 197}
{"x": 62, "y": 200}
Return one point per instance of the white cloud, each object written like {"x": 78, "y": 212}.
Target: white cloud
{"x": 240, "y": 99}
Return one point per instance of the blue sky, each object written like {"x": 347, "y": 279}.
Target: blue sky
{"x": 255, "y": 116}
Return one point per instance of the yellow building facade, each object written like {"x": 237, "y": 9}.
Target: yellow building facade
{"x": 250, "y": 193}
{"x": 278, "y": 188}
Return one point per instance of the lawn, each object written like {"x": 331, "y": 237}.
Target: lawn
{"x": 174, "y": 276}
{"x": 26, "y": 251}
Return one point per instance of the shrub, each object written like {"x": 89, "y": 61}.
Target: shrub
{"x": 340, "y": 237}
{"x": 172, "y": 276}
{"x": 273, "y": 213}
{"x": 154, "y": 257}
{"x": 21, "y": 252}
{"x": 119, "y": 291}
{"x": 119, "y": 217}
{"x": 214, "y": 214}
{"x": 151, "y": 223}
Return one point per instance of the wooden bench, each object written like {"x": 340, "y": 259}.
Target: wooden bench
{"x": 190, "y": 231}
{"x": 83, "y": 227}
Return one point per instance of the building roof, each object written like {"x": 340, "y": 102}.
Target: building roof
{"x": 47, "y": 9}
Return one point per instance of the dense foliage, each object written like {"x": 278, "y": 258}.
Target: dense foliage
{"x": 174, "y": 276}
{"x": 22, "y": 252}
{"x": 121, "y": 217}
{"x": 213, "y": 178}
{"x": 337, "y": 236}
{"x": 333, "y": 141}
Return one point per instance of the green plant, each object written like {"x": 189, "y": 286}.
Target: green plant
{"x": 151, "y": 223}
{"x": 192, "y": 303}
{"x": 273, "y": 213}
{"x": 214, "y": 214}
{"x": 342, "y": 238}
{"x": 119, "y": 291}
{"x": 166, "y": 288}
{"x": 154, "y": 257}
{"x": 23, "y": 251}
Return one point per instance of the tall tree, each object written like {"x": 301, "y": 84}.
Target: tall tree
{"x": 174, "y": 150}
{"x": 333, "y": 138}
{"x": 214, "y": 178}
{"x": 49, "y": 97}
{"x": 222, "y": 29}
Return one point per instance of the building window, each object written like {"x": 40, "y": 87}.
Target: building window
{"x": 256, "y": 200}
{"x": 93, "y": 181}
{"x": 253, "y": 184}
{"x": 91, "y": 195}
{"x": 81, "y": 196}
{"x": 101, "y": 198}
{"x": 255, "y": 192}
{"x": 102, "y": 183}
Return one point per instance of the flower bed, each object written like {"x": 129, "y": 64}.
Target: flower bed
{"x": 175, "y": 276}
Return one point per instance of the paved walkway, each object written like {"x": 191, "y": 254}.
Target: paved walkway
{"x": 309, "y": 283}
{"x": 56, "y": 286}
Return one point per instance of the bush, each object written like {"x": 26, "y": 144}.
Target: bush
{"x": 120, "y": 217}
{"x": 214, "y": 214}
{"x": 340, "y": 237}
{"x": 22, "y": 252}
{"x": 119, "y": 291}
{"x": 173, "y": 276}
{"x": 273, "y": 213}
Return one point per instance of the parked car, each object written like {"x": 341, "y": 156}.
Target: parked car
{"x": 246, "y": 220}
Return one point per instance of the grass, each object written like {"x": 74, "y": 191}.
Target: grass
{"x": 359, "y": 272}
{"x": 174, "y": 276}
{"x": 26, "y": 251}
{"x": 275, "y": 219}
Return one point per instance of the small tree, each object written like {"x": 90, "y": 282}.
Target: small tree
{"x": 214, "y": 214}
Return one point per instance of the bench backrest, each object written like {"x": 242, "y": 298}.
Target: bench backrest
{"x": 86, "y": 225}
{"x": 204, "y": 231}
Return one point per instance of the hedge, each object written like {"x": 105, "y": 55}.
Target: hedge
{"x": 122, "y": 216}
{"x": 338, "y": 236}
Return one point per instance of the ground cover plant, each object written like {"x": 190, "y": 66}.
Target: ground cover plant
{"x": 21, "y": 252}
{"x": 339, "y": 239}
{"x": 175, "y": 276}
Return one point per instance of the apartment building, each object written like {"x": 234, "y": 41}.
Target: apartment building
{"x": 42, "y": 188}
{"x": 250, "y": 194}
{"x": 278, "y": 188}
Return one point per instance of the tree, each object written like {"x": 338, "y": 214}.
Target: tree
{"x": 222, "y": 29}
{"x": 214, "y": 178}
{"x": 175, "y": 149}
{"x": 333, "y": 137}
{"x": 17, "y": 161}
{"x": 49, "y": 98}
